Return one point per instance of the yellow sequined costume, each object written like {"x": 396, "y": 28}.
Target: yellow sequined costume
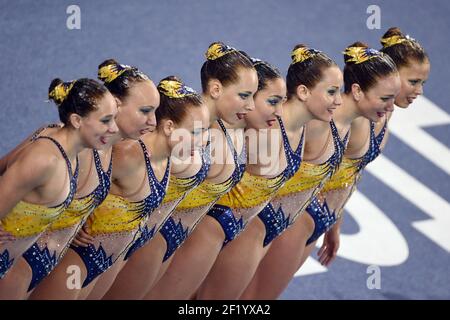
{"x": 114, "y": 225}
{"x": 235, "y": 209}
{"x": 27, "y": 221}
{"x": 295, "y": 196}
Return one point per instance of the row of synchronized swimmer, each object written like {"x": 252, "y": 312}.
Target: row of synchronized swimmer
{"x": 100, "y": 206}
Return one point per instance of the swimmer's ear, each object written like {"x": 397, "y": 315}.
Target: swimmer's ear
{"x": 75, "y": 120}
{"x": 118, "y": 101}
{"x": 59, "y": 90}
{"x": 357, "y": 93}
{"x": 303, "y": 93}
{"x": 215, "y": 88}
{"x": 168, "y": 126}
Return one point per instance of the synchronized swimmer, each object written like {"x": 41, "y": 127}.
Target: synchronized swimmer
{"x": 155, "y": 191}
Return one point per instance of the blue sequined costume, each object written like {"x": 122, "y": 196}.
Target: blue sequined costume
{"x": 115, "y": 224}
{"x": 300, "y": 190}
{"x": 61, "y": 232}
{"x": 235, "y": 209}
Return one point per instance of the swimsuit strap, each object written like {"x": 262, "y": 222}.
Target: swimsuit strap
{"x": 98, "y": 165}
{"x": 150, "y": 174}
{"x": 152, "y": 180}
{"x": 72, "y": 175}
{"x": 206, "y": 152}
{"x": 39, "y": 131}
{"x": 284, "y": 134}
{"x": 230, "y": 142}
{"x": 380, "y": 136}
{"x": 165, "y": 179}
{"x": 292, "y": 157}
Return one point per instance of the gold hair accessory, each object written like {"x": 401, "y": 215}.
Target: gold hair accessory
{"x": 175, "y": 89}
{"x": 61, "y": 91}
{"x": 392, "y": 41}
{"x": 361, "y": 54}
{"x": 302, "y": 54}
{"x": 110, "y": 72}
{"x": 217, "y": 50}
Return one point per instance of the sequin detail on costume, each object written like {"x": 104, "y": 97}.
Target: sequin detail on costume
{"x": 177, "y": 190}
{"x": 5, "y": 263}
{"x": 67, "y": 225}
{"x": 254, "y": 192}
{"x": 206, "y": 194}
{"x": 375, "y": 146}
{"x": 178, "y": 187}
{"x": 230, "y": 225}
{"x": 308, "y": 177}
{"x": 323, "y": 218}
{"x": 274, "y": 221}
{"x": 80, "y": 208}
{"x": 39, "y": 131}
{"x": 239, "y": 160}
{"x": 28, "y": 219}
{"x": 96, "y": 261}
{"x": 293, "y": 158}
{"x": 348, "y": 172}
{"x": 145, "y": 235}
{"x": 158, "y": 189}
{"x": 344, "y": 181}
{"x": 42, "y": 262}
{"x": 311, "y": 175}
{"x": 174, "y": 234}
{"x": 117, "y": 215}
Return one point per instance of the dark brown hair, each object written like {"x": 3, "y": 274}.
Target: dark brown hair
{"x": 308, "y": 72}
{"x": 120, "y": 86}
{"x": 175, "y": 109}
{"x": 82, "y": 97}
{"x": 403, "y": 52}
{"x": 266, "y": 72}
{"x": 367, "y": 73}
{"x": 225, "y": 67}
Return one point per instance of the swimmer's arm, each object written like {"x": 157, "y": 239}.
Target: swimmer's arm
{"x": 6, "y": 159}
{"x": 27, "y": 173}
{"x": 336, "y": 201}
{"x": 330, "y": 246}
